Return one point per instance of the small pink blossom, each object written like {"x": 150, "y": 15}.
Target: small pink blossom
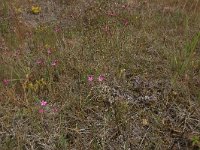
{"x": 6, "y": 82}
{"x": 90, "y": 78}
{"x": 48, "y": 51}
{"x": 43, "y": 103}
{"x": 101, "y": 78}
{"x": 55, "y": 110}
{"x": 57, "y": 29}
{"x": 41, "y": 111}
{"x": 125, "y": 22}
{"x": 39, "y": 61}
{"x": 54, "y": 63}
{"x": 124, "y": 6}
{"x": 112, "y": 14}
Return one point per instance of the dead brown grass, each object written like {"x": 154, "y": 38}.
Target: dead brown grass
{"x": 148, "y": 52}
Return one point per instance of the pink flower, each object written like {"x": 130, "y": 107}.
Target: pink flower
{"x": 43, "y": 103}
{"x": 54, "y": 63}
{"x": 39, "y": 61}
{"x": 55, "y": 110}
{"x": 90, "y": 78}
{"x": 125, "y": 22}
{"x": 6, "y": 82}
{"x": 112, "y": 14}
{"x": 48, "y": 51}
{"x": 124, "y": 6}
{"x": 101, "y": 78}
{"x": 41, "y": 111}
{"x": 57, "y": 29}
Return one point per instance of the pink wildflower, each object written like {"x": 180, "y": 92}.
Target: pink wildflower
{"x": 41, "y": 111}
{"x": 57, "y": 29}
{"x": 112, "y": 14}
{"x": 6, "y": 82}
{"x": 54, "y": 63}
{"x": 55, "y": 110}
{"x": 39, "y": 61}
{"x": 101, "y": 78}
{"x": 124, "y": 6}
{"x": 43, "y": 103}
{"x": 48, "y": 51}
{"x": 90, "y": 78}
{"x": 125, "y": 22}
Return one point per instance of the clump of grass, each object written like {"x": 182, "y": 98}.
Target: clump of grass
{"x": 184, "y": 61}
{"x": 99, "y": 75}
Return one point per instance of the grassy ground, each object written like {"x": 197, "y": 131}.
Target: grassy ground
{"x": 147, "y": 54}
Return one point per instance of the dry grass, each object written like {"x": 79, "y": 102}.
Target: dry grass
{"x": 148, "y": 52}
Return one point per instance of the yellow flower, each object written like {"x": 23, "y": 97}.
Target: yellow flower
{"x": 18, "y": 10}
{"x": 122, "y": 73}
{"x": 36, "y": 9}
{"x": 145, "y": 122}
{"x": 42, "y": 82}
{"x": 31, "y": 86}
{"x": 47, "y": 46}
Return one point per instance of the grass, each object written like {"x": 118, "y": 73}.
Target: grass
{"x": 148, "y": 52}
